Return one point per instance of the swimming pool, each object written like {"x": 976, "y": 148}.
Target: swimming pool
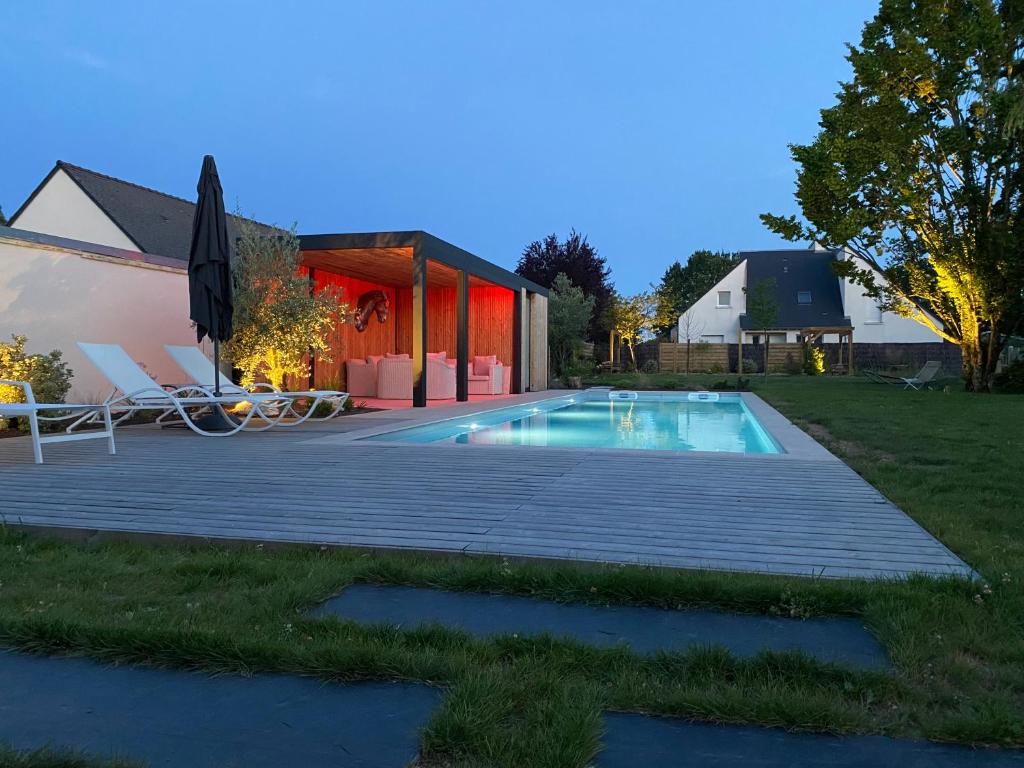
{"x": 662, "y": 422}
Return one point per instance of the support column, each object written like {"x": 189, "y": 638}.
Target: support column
{"x": 849, "y": 353}
{"x": 419, "y": 329}
{"x": 516, "y": 365}
{"x": 462, "y": 337}
{"x": 312, "y": 357}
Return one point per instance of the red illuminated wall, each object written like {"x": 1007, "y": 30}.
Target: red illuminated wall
{"x": 490, "y": 325}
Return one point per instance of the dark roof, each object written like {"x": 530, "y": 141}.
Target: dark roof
{"x": 795, "y": 271}
{"x": 427, "y": 245}
{"x": 156, "y": 222}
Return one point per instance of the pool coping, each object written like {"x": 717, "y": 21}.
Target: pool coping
{"x": 794, "y": 442}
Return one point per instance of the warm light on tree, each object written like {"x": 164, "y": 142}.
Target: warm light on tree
{"x": 278, "y": 320}
{"x": 917, "y": 171}
{"x": 633, "y": 319}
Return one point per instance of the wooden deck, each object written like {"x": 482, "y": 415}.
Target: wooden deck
{"x": 745, "y": 513}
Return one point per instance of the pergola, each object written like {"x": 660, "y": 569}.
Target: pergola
{"x": 812, "y": 334}
{"x": 435, "y": 287}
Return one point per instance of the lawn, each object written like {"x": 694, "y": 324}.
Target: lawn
{"x": 951, "y": 460}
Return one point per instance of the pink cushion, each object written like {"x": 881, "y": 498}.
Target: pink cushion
{"x": 374, "y": 359}
{"x": 482, "y": 364}
{"x": 436, "y": 355}
{"x": 391, "y": 356}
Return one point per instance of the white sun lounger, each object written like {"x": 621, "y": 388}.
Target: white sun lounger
{"x": 30, "y": 409}
{"x": 199, "y": 368}
{"x": 134, "y": 390}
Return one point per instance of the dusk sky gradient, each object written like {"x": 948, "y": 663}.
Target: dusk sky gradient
{"x": 655, "y": 128}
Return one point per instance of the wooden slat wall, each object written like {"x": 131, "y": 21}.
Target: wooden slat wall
{"x": 346, "y": 341}
{"x": 490, "y": 321}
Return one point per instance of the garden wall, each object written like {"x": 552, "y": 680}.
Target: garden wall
{"x": 57, "y": 292}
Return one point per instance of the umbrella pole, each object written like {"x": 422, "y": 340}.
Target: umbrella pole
{"x": 216, "y": 367}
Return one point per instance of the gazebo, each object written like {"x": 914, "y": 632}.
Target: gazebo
{"x": 419, "y": 296}
{"x": 844, "y": 332}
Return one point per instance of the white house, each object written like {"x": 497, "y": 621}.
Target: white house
{"x": 88, "y": 257}
{"x": 809, "y": 295}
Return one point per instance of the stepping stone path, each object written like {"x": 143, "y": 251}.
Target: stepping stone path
{"x": 172, "y": 718}
{"x": 657, "y": 742}
{"x": 645, "y": 630}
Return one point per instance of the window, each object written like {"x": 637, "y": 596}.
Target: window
{"x": 872, "y": 310}
{"x": 725, "y": 298}
{"x": 803, "y": 297}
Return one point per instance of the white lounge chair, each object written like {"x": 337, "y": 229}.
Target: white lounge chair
{"x": 134, "y": 390}
{"x": 923, "y": 378}
{"x": 30, "y": 409}
{"x": 199, "y": 368}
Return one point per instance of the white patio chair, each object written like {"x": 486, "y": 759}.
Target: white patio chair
{"x": 30, "y": 409}
{"x": 199, "y": 368}
{"x": 134, "y": 390}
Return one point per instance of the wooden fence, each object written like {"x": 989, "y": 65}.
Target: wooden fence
{"x": 703, "y": 357}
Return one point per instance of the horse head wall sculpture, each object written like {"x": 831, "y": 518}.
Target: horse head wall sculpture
{"x": 370, "y": 303}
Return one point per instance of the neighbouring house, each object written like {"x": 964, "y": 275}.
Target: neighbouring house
{"x": 89, "y": 257}
{"x": 809, "y": 295}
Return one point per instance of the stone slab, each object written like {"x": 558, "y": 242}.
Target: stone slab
{"x": 654, "y": 742}
{"x": 168, "y": 718}
{"x": 645, "y": 630}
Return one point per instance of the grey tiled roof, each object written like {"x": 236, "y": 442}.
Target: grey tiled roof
{"x": 156, "y": 222}
{"x": 795, "y": 271}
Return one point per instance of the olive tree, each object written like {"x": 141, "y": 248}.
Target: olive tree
{"x": 278, "y": 320}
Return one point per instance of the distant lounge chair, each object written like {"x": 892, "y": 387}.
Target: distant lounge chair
{"x": 134, "y": 390}
{"x": 199, "y": 368}
{"x": 923, "y": 378}
{"x": 30, "y": 409}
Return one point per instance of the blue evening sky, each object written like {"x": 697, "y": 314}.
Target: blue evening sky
{"x": 656, "y": 128}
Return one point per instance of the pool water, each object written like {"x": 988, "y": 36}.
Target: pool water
{"x": 655, "y": 424}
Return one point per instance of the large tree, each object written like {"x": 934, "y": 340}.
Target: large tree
{"x": 681, "y": 285}
{"x": 917, "y": 171}
{"x": 543, "y": 260}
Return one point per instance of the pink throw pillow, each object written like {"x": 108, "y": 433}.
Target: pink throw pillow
{"x": 374, "y": 359}
{"x": 482, "y": 364}
{"x": 391, "y": 356}
{"x": 436, "y": 355}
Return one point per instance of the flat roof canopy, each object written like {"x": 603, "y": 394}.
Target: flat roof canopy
{"x": 387, "y": 258}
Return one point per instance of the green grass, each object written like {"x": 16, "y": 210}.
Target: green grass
{"x": 951, "y": 460}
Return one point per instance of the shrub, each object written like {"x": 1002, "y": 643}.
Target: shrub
{"x": 749, "y": 366}
{"x": 716, "y": 368}
{"x": 792, "y": 366}
{"x": 649, "y": 366}
{"x": 1011, "y": 379}
{"x": 48, "y": 374}
{"x": 814, "y": 360}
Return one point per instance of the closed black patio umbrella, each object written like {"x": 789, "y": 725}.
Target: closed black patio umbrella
{"x": 209, "y": 265}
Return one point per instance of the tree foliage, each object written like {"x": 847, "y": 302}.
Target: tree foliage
{"x": 278, "y": 319}
{"x": 569, "y": 315}
{"x": 543, "y": 260}
{"x": 633, "y": 319}
{"x": 763, "y": 309}
{"x": 681, "y": 285}
{"x": 917, "y": 171}
{"x": 49, "y": 375}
